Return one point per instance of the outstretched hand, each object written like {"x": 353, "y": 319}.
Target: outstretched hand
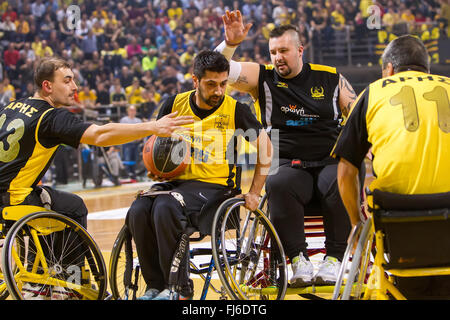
{"x": 235, "y": 30}
{"x": 167, "y": 125}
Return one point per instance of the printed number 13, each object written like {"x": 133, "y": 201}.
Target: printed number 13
{"x": 17, "y": 126}
{"x": 407, "y": 98}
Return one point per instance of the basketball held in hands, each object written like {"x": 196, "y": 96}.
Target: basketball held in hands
{"x": 166, "y": 157}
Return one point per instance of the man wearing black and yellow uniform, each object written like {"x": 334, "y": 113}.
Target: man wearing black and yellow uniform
{"x": 31, "y": 130}
{"x": 157, "y": 223}
{"x": 302, "y": 106}
{"x": 404, "y": 118}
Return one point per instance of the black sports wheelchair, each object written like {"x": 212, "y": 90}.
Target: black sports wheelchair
{"x": 406, "y": 236}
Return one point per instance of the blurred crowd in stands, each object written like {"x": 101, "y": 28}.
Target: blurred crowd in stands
{"x": 134, "y": 53}
{"x": 139, "y": 52}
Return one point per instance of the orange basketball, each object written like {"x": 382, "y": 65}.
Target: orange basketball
{"x": 166, "y": 157}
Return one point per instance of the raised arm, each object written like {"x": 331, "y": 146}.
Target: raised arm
{"x": 243, "y": 75}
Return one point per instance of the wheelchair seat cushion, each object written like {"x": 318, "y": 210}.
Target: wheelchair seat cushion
{"x": 393, "y": 201}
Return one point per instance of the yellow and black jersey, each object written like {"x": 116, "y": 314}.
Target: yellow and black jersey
{"x": 305, "y": 110}
{"x": 30, "y": 132}
{"x": 214, "y": 136}
{"x": 405, "y": 118}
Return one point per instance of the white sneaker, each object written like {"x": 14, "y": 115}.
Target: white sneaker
{"x": 303, "y": 271}
{"x": 35, "y": 292}
{"x": 328, "y": 271}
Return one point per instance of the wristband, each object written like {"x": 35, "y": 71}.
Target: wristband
{"x": 226, "y": 50}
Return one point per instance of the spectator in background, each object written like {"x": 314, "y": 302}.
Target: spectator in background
{"x": 126, "y": 77}
{"x": 87, "y": 97}
{"x": 134, "y": 92}
{"x": 91, "y": 72}
{"x": 174, "y": 12}
{"x": 118, "y": 56}
{"x": 9, "y": 12}
{"x": 115, "y": 161}
{"x": 103, "y": 96}
{"x": 22, "y": 28}
{"x": 38, "y": 9}
{"x": 29, "y": 90}
{"x": 11, "y": 57}
{"x": 8, "y": 28}
{"x": 150, "y": 60}
{"x": 6, "y": 94}
{"x": 134, "y": 48}
{"x": 43, "y": 49}
{"x": 99, "y": 33}
{"x": 75, "y": 52}
{"x": 131, "y": 150}
{"x": 118, "y": 97}
{"x": 187, "y": 58}
{"x": 151, "y": 103}
{"x": 47, "y": 25}
{"x": 89, "y": 44}
{"x": 25, "y": 70}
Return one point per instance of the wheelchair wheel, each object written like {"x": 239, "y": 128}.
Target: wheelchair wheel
{"x": 3, "y": 290}
{"x": 48, "y": 256}
{"x": 354, "y": 267}
{"x": 248, "y": 254}
{"x": 125, "y": 278}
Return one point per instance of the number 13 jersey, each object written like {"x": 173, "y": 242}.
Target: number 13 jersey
{"x": 30, "y": 132}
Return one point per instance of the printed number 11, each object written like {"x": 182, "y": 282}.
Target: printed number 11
{"x": 407, "y": 98}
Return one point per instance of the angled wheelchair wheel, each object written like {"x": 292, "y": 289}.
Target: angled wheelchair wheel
{"x": 48, "y": 256}
{"x": 3, "y": 289}
{"x": 248, "y": 254}
{"x": 125, "y": 276}
{"x": 353, "y": 274}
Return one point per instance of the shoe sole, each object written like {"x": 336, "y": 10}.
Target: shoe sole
{"x": 299, "y": 283}
{"x": 319, "y": 281}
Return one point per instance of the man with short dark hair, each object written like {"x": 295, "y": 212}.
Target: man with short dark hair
{"x": 156, "y": 223}
{"x": 404, "y": 118}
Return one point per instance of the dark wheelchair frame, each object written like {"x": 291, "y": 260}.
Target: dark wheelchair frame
{"x": 405, "y": 236}
{"x": 252, "y": 268}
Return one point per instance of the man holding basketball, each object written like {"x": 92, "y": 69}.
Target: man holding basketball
{"x": 157, "y": 222}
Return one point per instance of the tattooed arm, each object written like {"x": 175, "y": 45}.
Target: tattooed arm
{"x": 346, "y": 95}
{"x": 248, "y": 79}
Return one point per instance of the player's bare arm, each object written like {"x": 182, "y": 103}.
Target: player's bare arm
{"x": 120, "y": 133}
{"x": 264, "y": 161}
{"x": 346, "y": 95}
